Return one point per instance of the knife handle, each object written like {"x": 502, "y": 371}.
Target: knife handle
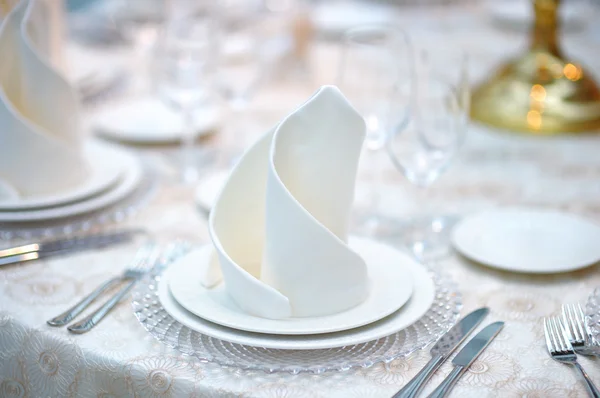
{"x": 448, "y": 384}
{"x": 89, "y": 322}
{"x": 78, "y": 308}
{"x": 414, "y": 386}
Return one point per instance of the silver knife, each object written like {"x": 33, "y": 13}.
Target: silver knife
{"x": 34, "y": 251}
{"x": 466, "y": 357}
{"x": 442, "y": 350}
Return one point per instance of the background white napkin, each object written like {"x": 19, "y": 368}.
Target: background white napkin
{"x": 280, "y": 224}
{"x": 40, "y": 138}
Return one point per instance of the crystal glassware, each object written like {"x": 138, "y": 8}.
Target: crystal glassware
{"x": 423, "y": 145}
{"x": 184, "y": 71}
{"x": 440, "y": 317}
{"x": 374, "y": 67}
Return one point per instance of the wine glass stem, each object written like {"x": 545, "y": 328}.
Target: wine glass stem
{"x": 376, "y": 165}
{"x": 189, "y": 171}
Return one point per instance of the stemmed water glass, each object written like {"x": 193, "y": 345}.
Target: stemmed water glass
{"x": 423, "y": 146}
{"x": 374, "y": 69}
{"x": 240, "y": 64}
{"x": 184, "y": 70}
{"x": 141, "y": 22}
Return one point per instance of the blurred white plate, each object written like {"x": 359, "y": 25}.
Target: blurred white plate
{"x": 335, "y": 17}
{"x": 130, "y": 179}
{"x": 106, "y": 167}
{"x": 149, "y": 120}
{"x": 391, "y": 286}
{"x": 412, "y": 311}
{"x": 527, "y": 240}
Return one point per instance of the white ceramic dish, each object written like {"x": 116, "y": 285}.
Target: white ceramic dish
{"x": 415, "y": 308}
{"x": 335, "y": 17}
{"x": 390, "y": 288}
{"x": 529, "y": 241}
{"x": 107, "y": 166}
{"x": 132, "y": 176}
{"x": 148, "y": 120}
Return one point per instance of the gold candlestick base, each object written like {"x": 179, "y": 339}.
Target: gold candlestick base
{"x": 540, "y": 92}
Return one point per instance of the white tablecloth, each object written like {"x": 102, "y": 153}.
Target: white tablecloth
{"x": 120, "y": 359}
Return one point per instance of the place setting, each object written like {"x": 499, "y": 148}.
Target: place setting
{"x": 282, "y": 276}
{"x": 60, "y": 177}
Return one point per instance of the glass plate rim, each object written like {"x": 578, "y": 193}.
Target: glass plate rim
{"x": 150, "y": 313}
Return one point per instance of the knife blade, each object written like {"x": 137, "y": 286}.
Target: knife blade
{"x": 442, "y": 350}
{"x": 466, "y": 357}
{"x": 34, "y": 251}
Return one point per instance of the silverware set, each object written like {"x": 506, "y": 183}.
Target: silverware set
{"x": 149, "y": 258}
{"x": 445, "y": 346}
{"x": 62, "y": 246}
{"x": 567, "y": 335}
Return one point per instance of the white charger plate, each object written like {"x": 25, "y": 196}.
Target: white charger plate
{"x": 107, "y": 166}
{"x": 390, "y": 284}
{"x": 132, "y": 176}
{"x": 419, "y": 303}
{"x": 528, "y": 240}
{"x": 148, "y": 120}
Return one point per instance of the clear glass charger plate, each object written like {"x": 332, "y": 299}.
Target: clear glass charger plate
{"x": 592, "y": 315}
{"x": 442, "y": 314}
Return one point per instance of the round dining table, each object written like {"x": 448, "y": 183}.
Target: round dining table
{"x": 494, "y": 168}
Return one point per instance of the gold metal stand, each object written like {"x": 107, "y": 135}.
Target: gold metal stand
{"x": 540, "y": 92}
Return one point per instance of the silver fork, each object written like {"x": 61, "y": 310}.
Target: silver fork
{"x": 561, "y": 350}
{"x": 90, "y": 321}
{"x": 578, "y": 332}
{"x": 153, "y": 263}
{"x": 132, "y": 272}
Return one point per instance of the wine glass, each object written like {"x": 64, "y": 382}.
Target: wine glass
{"x": 374, "y": 69}
{"x": 423, "y": 146}
{"x": 240, "y": 66}
{"x": 141, "y": 22}
{"x": 184, "y": 72}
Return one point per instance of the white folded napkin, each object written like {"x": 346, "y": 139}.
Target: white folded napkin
{"x": 40, "y": 141}
{"x": 280, "y": 224}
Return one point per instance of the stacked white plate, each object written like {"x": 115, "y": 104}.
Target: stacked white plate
{"x": 115, "y": 175}
{"x": 401, "y": 292}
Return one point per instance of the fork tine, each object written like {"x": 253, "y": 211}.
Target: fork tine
{"x": 571, "y": 322}
{"x": 556, "y": 335}
{"x": 582, "y": 323}
{"x": 549, "y": 343}
{"x": 565, "y": 338}
{"x": 578, "y": 322}
{"x": 567, "y": 321}
{"x": 565, "y": 345}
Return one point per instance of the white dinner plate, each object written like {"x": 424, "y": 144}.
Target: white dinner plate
{"x": 107, "y": 166}
{"x": 335, "y": 17}
{"x": 131, "y": 178}
{"x": 148, "y": 120}
{"x": 419, "y": 303}
{"x": 527, "y": 240}
{"x": 390, "y": 285}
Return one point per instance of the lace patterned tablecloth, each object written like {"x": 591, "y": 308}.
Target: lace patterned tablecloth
{"x": 120, "y": 359}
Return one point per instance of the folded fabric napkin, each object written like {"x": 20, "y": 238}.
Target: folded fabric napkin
{"x": 280, "y": 224}
{"x": 40, "y": 141}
